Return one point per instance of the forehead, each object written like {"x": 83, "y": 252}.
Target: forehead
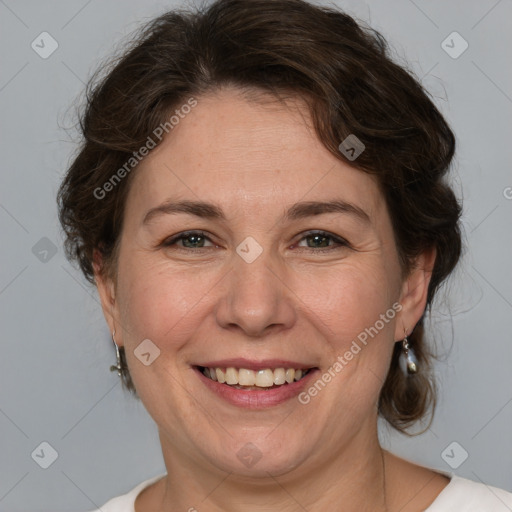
{"x": 253, "y": 156}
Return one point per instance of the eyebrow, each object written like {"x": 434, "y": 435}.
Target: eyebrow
{"x": 297, "y": 211}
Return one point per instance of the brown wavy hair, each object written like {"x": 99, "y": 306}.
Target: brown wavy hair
{"x": 344, "y": 72}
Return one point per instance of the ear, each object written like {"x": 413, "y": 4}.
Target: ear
{"x": 413, "y": 295}
{"x": 107, "y": 293}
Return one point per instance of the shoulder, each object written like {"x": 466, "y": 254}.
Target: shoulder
{"x": 126, "y": 502}
{"x": 466, "y": 495}
{"x": 432, "y": 490}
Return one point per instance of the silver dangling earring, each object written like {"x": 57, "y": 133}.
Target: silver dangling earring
{"x": 118, "y": 366}
{"x": 408, "y": 361}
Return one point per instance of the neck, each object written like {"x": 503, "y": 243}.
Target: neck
{"x": 352, "y": 475}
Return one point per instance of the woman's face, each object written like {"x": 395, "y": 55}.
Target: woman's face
{"x": 256, "y": 286}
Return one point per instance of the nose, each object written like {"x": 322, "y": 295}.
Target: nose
{"x": 256, "y": 299}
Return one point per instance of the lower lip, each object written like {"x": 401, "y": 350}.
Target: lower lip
{"x": 254, "y": 399}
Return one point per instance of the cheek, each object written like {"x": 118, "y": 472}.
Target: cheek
{"x": 163, "y": 306}
{"x": 345, "y": 304}
{"x": 160, "y": 303}
{"x": 348, "y": 299}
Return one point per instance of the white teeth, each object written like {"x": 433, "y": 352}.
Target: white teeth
{"x": 279, "y": 376}
{"x": 231, "y": 376}
{"x": 262, "y": 378}
{"x": 246, "y": 377}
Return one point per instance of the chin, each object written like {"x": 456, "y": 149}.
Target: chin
{"x": 260, "y": 459}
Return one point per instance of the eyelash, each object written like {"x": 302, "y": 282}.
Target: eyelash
{"x": 186, "y": 234}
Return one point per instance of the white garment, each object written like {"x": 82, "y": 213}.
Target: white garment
{"x": 460, "y": 495}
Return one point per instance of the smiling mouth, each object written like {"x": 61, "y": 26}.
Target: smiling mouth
{"x": 243, "y": 378}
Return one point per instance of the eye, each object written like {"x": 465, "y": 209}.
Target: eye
{"x": 321, "y": 240}
{"x": 189, "y": 240}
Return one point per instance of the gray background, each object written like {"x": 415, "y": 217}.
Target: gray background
{"x": 55, "y": 347}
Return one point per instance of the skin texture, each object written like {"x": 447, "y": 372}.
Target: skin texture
{"x": 255, "y": 159}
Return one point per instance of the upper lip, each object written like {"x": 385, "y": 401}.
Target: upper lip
{"x": 255, "y": 365}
